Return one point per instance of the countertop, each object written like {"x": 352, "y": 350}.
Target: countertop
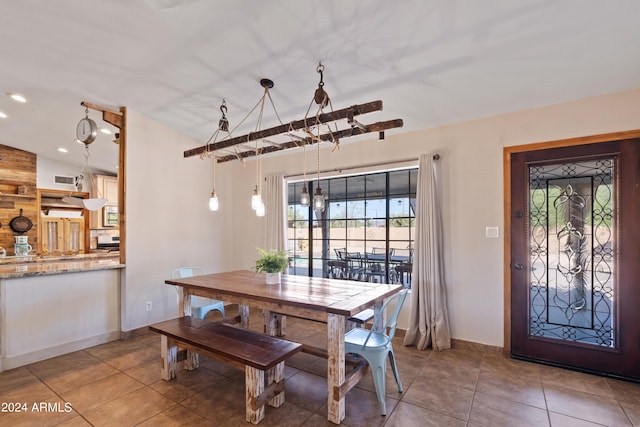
{"x": 15, "y": 267}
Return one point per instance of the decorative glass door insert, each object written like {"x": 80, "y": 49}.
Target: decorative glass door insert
{"x": 572, "y": 286}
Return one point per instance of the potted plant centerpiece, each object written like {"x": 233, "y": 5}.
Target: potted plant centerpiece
{"x": 273, "y": 263}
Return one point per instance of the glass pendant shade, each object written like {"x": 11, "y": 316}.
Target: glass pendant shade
{"x": 213, "y": 202}
{"x": 256, "y": 200}
{"x": 318, "y": 200}
{"x": 305, "y": 199}
{"x": 260, "y": 211}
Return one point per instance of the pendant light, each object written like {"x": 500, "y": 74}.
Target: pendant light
{"x": 256, "y": 198}
{"x": 223, "y": 125}
{"x": 213, "y": 200}
{"x": 305, "y": 199}
{"x": 260, "y": 204}
{"x": 318, "y": 197}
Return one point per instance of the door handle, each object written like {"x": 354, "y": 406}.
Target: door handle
{"x": 519, "y": 266}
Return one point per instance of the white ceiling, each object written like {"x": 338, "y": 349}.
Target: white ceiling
{"x": 432, "y": 62}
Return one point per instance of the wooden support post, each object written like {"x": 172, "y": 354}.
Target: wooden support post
{"x": 244, "y": 316}
{"x": 169, "y": 357}
{"x": 275, "y": 375}
{"x": 254, "y": 380}
{"x": 335, "y": 364}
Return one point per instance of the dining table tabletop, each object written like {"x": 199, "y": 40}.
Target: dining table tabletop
{"x": 331, "y": 301}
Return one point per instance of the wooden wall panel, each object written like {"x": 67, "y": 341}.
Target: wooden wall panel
{"x": 17, "y": 191}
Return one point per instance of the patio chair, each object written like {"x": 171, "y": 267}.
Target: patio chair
{"x": 375, "y": 347}
{"x": 200, "y": 306}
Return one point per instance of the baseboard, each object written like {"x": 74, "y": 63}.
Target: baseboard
{"x": 11, "y": 362}
{"x": 134, "y": 333}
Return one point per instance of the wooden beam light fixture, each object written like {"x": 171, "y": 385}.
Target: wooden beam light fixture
{"x": 286, "y": 131}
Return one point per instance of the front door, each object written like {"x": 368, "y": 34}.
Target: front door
{"x": 575, "y": 257}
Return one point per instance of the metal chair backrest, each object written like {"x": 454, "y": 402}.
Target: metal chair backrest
{"x": 182, "y": 272}
{"x": 392, "y": 321}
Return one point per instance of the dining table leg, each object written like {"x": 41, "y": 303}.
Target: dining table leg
{"x": 192, "y": 359}
{"x": 244, "y": 316}
{"x": 336, "y": 367}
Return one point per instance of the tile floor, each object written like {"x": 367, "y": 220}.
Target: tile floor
{"x": 118, "y": 384}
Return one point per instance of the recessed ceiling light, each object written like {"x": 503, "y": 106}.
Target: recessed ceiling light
{"x": 2, "y": 115}
{"x": 63, "y": 150}
{"x": 17, "y": 97}
{"x": 105, "y": 131}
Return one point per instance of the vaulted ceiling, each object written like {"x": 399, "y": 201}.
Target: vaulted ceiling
{"x": 431, "y": 62}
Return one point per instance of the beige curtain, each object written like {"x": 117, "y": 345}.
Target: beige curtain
{"x": 428, "y": 318}
{"x": 275, "y": 213}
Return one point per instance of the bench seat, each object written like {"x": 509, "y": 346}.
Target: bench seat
{"x": 250, "y": 351}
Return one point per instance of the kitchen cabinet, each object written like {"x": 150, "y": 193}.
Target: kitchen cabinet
{"x": 103, "y": 186}
{"x": 62, "y": 235}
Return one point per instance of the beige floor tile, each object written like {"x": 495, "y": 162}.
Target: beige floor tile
{"x": 130, "y": 409}
{"x": 586, "y": 406}
{"x": 450, "y": 374}
{"x": 147, "y": 373}
{"x": 633, "y": 412}
{"x": 495, "y": 411}
{"x": 177, "y": 416}
{"x": 437, "y": 396}
{"x": 16, "y": 379}
{"x": 625, "y": 391}
{"x": 306, "y": 390}
{"x": 408, "y": 415}
{"x": 578, "y": 381}
{"x": 187, "y": 383}
{"x": 459, "y": 356}
{"x": 511, "y": 386}
{"x": 218, "y": 402}
{"x": 100, "y": 392}
{"x": 559, "y": 420}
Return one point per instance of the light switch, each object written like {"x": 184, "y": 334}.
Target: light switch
{"x": 491, "y": 232}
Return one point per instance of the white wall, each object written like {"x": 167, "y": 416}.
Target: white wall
{"x": 168, "y": 223}
{"x": 50, "y": 315}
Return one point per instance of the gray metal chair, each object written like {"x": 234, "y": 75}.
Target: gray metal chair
{"x": 376, "y": 347}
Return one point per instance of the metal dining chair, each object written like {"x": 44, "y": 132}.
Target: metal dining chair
{"x": 200, "y": 306}
{"x": 376, "y": 347}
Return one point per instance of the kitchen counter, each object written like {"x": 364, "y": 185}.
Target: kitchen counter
{"x": 14, "y": 267}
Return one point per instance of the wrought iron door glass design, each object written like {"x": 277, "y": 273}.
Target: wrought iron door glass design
{"x": 571, "y": 222}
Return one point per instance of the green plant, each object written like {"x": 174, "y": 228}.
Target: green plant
{"x": 271, "y": 261}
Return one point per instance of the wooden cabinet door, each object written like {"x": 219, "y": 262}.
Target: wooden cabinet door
{"x": 74, "y": 235}
{"x": 62, "y": 236}
{"x": 111, "y": 190}
{"x": 51, "y": 235}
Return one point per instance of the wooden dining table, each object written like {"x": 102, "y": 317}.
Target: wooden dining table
{"x": 327, "y": 300}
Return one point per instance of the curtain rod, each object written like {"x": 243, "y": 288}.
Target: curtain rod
{"x": 368, "y": 165}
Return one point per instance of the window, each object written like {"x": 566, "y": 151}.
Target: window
{"x": 365, "y": 232}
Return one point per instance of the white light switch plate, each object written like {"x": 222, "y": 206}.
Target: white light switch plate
{"x": 491, "y": 232}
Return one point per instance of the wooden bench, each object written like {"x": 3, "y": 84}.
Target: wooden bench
{"x": 250, "y": 351}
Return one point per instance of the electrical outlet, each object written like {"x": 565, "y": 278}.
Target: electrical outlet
{"x": 149, "y": 305}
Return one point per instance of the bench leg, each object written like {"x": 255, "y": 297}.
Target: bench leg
{"x": 274, "y": 376}
{"x": 254, "y": 383}
{"x": 169, "y": 355}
